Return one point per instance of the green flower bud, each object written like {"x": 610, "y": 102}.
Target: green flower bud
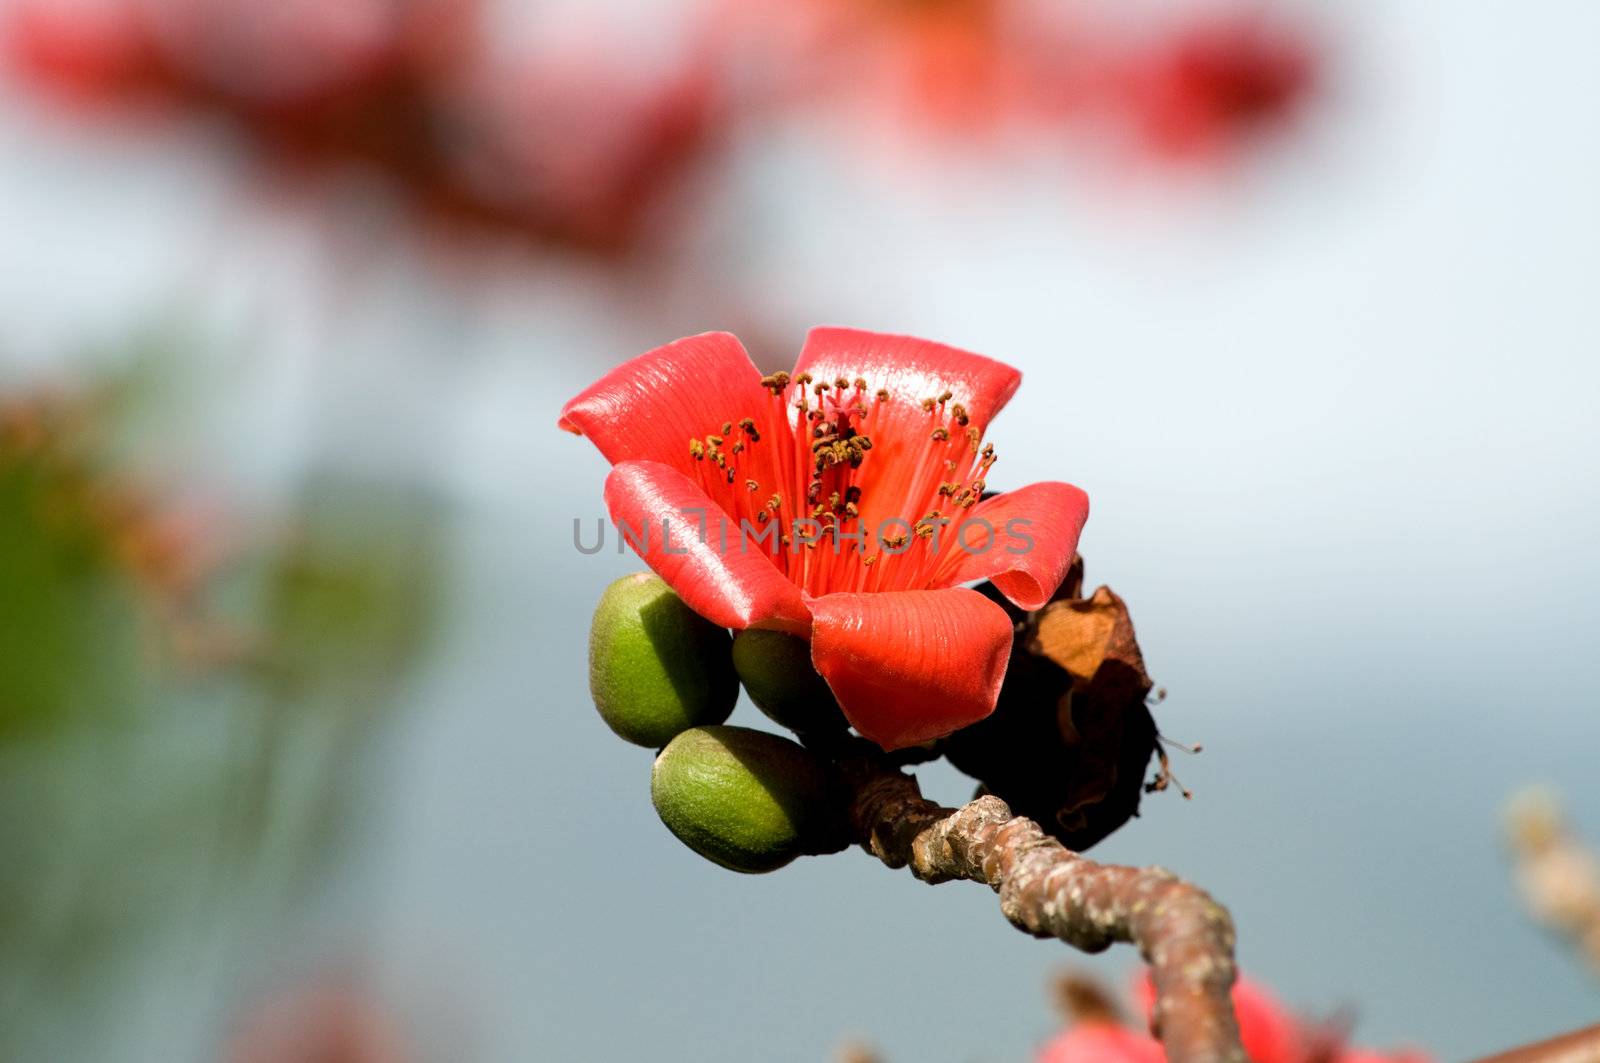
{"x": 776, "y": 669}
{"x": 745, "y": 799}
{"x": 656, "y": 667}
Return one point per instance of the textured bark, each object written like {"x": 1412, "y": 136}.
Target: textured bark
{"x": 1049, "y": 891}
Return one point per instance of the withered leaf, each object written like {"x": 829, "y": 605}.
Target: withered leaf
{"x": 1071, "y": 736}
{"x": 1081, "y": 634}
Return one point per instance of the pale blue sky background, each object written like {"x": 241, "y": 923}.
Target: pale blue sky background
{"x": 1339, "y": 424}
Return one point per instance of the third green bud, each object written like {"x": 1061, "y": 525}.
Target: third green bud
{"x": 776, "y": 669}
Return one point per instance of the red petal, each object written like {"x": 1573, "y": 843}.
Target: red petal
{"x": 912, "y": 368}
{"x": 650, "y": 407}
{"x": 734, "y": 587}
{"x": 910, "y": 666}
{"x": 1033, "y": 539}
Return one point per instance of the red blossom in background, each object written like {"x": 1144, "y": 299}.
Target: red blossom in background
{"x": 957, "y": 65}
{"x": 1102, "y": 1042}
{"x": 575, "y": 153}
{"x": 288, "y": 69}
{"x": 330, "y": 1020}
{"x": 944, "y": 61}
{"x": 1270, "y": 1032}
{"x": 1194, "y": 87}
{"x": 88, "y": 54}
{"x": 581, "y": 150}
{"x": 875, "y": 438}
{"x": 1205, "y": 88}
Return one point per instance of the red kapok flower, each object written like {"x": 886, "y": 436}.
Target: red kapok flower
{"x": 842, "y": 503}
{"x": 1270, "y": 1033}
{"x": 1101, "y": 1041}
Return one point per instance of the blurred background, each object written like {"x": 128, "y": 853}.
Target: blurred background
{"x": 296, "y": 750}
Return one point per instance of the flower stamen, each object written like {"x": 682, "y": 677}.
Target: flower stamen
{"x": 874, "y": 508}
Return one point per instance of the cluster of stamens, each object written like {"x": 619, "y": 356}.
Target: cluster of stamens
{"x": 843, "y": 470}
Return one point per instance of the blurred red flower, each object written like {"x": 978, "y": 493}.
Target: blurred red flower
{"x": 331, "y": 1020}
{"x": 873, "y": 447}
{"x": 284, "y": 62}
{"x": 1207, "y": 87}
{"x": 1270, "y": 1032}
{"x": 87, "y": 53}
{"x": 582, "y": 150}
{"x": 576, "y": 152}
{"x": 959, "y": 65}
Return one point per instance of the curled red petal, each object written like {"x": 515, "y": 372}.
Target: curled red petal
{"x": 1023, "y": 540}
{"x": 649, "y": 408}
{"x": 913, "y": 369}
{"x": 911, "y": 666}
{"x": 679, "y": 531}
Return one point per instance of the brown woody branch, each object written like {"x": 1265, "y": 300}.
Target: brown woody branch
{"x": 1579, "y": 1046}
{"x": 1048, "y": 891}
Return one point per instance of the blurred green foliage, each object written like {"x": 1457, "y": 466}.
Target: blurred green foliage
{"x": 182, "y": 720}
{"x": 349, "y": 597}
{"x": 68, "y": 618}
